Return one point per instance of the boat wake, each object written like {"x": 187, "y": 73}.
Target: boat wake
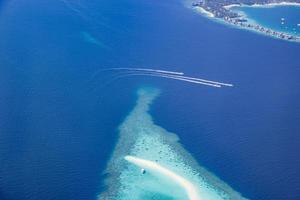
{"x": 179, "y": 76}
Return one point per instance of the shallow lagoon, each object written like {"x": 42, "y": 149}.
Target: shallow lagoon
{"x": 281, "y": 18}
{"x": 141, "y": 138}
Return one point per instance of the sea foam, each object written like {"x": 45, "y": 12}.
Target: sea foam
{"x": 170, "y": 171}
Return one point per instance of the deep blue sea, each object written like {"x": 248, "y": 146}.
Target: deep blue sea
{"x": 279, "y": 18}
{"x": 59, "y": 112}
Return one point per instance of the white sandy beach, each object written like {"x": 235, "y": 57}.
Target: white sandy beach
{"x": 231, "y": 6}
{"x": 154, "y": 167}
{"x": 277, "y": 4}
{"x": 205, "y": 12}
{"x": 269, "y": 5}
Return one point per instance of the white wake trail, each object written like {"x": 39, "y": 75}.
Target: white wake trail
{"x": 71, "y": 7}
{"x": 145, "y": 70}
{"x": 208, "y": 81}
{"x": 175, "y": 74}
{"x": 166, "y": 76}
{"x": 189, "y": 80}
{"x": 87, "y": 17}
{"x": 196, "y": 79}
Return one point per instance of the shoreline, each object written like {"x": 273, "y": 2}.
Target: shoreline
{"x": 152, "y": 166}
{"x": 269, "y": 5}
{"x": 240, "y": 20}
{"x": 205, "y": 12}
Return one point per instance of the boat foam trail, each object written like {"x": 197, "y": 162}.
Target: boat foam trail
{"x": 168, "y": 77}
{"x": 199, "y": 79}
{"x": 144, "y": 69}
{"x": 189, "y": 80}
{"x": 178, "y": 75}
{"x": 208, "y": 81}
{"x": 84, "y": 16}
{"x": 154, "y": 167}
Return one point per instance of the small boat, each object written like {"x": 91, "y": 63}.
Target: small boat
{"x": 143, "y": 171}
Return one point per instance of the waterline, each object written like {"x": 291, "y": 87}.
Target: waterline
{"x": 152, "y": 166}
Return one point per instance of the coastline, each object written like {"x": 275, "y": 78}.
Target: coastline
{"x": 205, "y": 12}
{"x": 242, "y": 21}
{"x": 269, "y": 5}
{"x": 190, "y": 189}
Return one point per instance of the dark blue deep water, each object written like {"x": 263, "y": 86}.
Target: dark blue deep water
{"x": 59, "y": 112}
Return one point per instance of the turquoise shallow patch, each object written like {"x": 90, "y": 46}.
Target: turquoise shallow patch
{"x": 140, "y": 137}
{"x": 280, "y": 18}
{"x": 90, "y": 39}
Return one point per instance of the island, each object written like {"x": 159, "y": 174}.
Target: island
{"x": 149, "y": 162}
{"x": 220, "y": 9}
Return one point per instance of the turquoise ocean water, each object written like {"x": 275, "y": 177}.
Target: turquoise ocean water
{"x": 279, "y": 18}
{"x": 60, "y": 112}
